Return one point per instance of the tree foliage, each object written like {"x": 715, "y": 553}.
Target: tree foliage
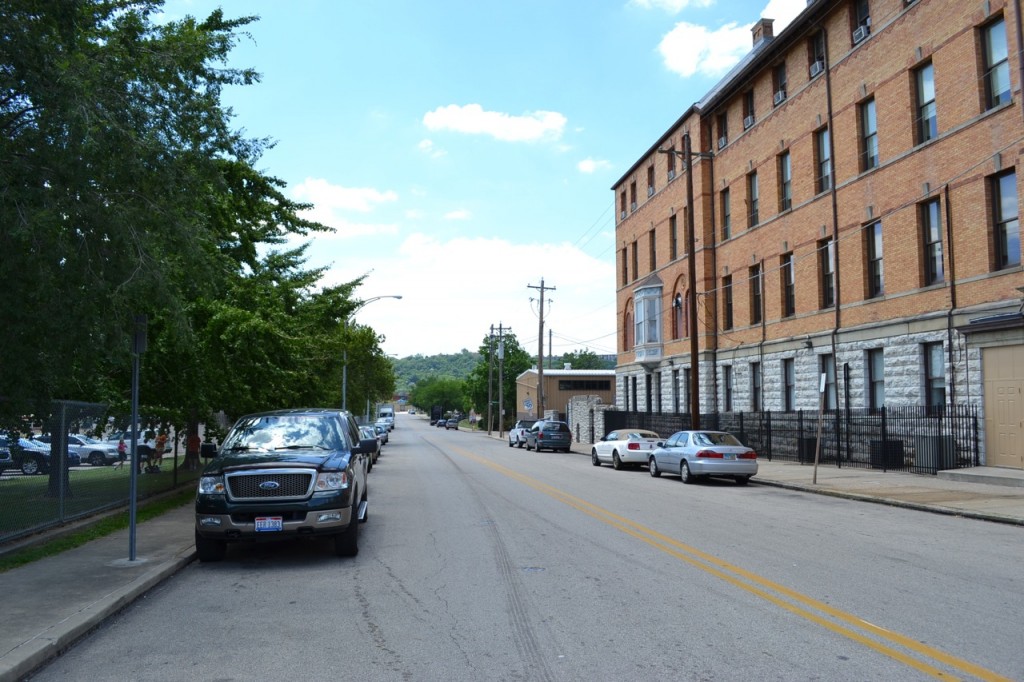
{"x": 586, "y": 359}
{"x": 124, "y": 190}
{"x": 483, "y": 381}
{"x": 448, "y": 393}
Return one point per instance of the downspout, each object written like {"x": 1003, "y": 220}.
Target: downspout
{"x": 1020, "y": 41}
{"x": 952, "y": 292}
{"x": 710, "y": 158}
{"x": 835, "y": 211}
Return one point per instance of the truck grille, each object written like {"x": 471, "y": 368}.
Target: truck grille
{"x": 271, "y": 484}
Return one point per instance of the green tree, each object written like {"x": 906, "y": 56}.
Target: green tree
{"x": 448, "y": 393}
{"x": 585, "y": 359}
{"x": 516, "y": 361}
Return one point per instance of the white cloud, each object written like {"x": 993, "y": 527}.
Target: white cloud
{"x": 589, "y": 165}
{"x": 673, "y": 6}
{"x": 689, "y": 48}
{"x": 783, "y": 12}
{"x": 473, "y": 120}
{"x": 337, "y": 198}
{"x": 487, "y": 284}
{"x": 428, "y": 148}
{"x": 460, "y": 214}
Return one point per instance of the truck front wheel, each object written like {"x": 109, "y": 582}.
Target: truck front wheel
{"x": 208, "y": 549}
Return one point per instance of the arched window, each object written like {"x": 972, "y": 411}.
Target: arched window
{"x": 627, "y": 331}
{"x": 677, "y": 316}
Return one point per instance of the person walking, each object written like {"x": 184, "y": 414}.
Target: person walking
{"x": 122, "y": 454}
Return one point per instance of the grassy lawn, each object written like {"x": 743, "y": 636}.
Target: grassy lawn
{"x": 25, "y": 501}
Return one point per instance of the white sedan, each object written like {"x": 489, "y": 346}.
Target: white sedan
{"x": 625, "y": 447}
{"x": 696, "y": 454}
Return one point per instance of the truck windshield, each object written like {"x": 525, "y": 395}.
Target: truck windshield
{"x": 277, "y": 432}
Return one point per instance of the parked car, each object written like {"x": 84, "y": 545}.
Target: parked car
{"x": 625, "y": 447}
{"x": 34, "y": 457}
{"x": 452, "y": 423}
{"x": 95, "y": 452}
{"x": 368, "y": 432}
{"x": 696, "y": 454}
{"x": 6, "y": 461}
{"x": 549, "y": 434}
{"x": 382, "y": 433}
{"x": 284, "y": 474}
{"x": 440, "y": 423}
{"x": 517, "y": 434}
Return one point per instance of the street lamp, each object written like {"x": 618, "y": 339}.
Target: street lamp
{"x": 691, "y": 296}
{"x": 344, "y": 367}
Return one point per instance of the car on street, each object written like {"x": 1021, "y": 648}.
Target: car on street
{"x": 697, "y": 454}
{"x": 368, "y": 432}
{"x": 440, "y": 423}
{"x": 625, "y": 447}
{"x": 383, "y": 434}
{"x": 284, "y": 474}
{"x": 90, "y": 450}
{"x": 549, "y": 434}
{"x": 517, "y": 434}
{"x": 34, "y": 457}
{"x": 452, "y": 423}
{"x": 6, "y": 461}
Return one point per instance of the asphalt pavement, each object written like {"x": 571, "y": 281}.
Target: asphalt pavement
{"x": 53, "y": 602}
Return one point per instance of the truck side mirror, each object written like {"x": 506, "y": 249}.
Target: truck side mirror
{"x": 208, "y": 450}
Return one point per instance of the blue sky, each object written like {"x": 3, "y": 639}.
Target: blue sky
{"x": 465, "y": 150}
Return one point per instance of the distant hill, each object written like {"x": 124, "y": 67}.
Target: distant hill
{"x": 409, "y": 371}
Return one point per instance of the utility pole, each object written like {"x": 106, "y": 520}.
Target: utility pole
{"x": 501, "y": 375}
{"x": 540, "y": 349}
{"x": 490, "y": 376}
{"x": 551, "y": 349}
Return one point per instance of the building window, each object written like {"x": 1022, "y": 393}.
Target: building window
{"x": 1006, "y": 227}
{"x": 726, "y": 214}
{"x": 931, "y": 238}
{"x": 650, "y": 181}
{"x": 876, "y": 378}
{"x": 648, "y": 316}
{"x": 785, "y": 182}
{"x": 686, "y": 388}
{"x": 622, "y": 205}
{"x": 625, "y": 266}
{"x": 673, "y": 239}
{"x": 727, "y": 302}
{"x": 861, "y": 20}
{"x": 652, "y": 248}
{"x": 677, "y": 316}
{"x": 755, "y": 386}
{"x": 876, "y": 272}
{"x": 788, "y": 280}
{"x": 934, "y": 376}
{"x": 670, "y": 163}
{"x": 748, "y": 109}
{"x": 816, "y": 55}
{"x": 927, "y": 123}
{"x": 675, "y": 391}
{"x": 779, "y": 84}
{"x": 868, "y": 136}
{"x": 632, "y": 196}
{"x": 753, "y": 199}
{"x": 636, "y": 261}
{"x": 727, "y": 386}
{"x": 827, "y": 272}
{"x": 756, "y": 297}
{"x": 788, "y": 385}
{"x": 996, "y": 63}
{"x": 636, "y": 405}
{"x": 627, "y": 331}
{"x": 722, "y": 121}
{"x": 823, "y": 157}
{"x": 828, "y": 368}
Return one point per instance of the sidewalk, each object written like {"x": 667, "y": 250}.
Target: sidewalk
{"x": 51, "y": 603}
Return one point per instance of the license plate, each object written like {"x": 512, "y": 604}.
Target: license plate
{"x": 268, "y": 523}
{"x": 730, "y": 455}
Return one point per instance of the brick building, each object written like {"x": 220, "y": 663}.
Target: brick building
{"x": 855, "y": 205}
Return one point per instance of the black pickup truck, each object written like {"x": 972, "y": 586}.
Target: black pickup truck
{"x": 283, "y": 474}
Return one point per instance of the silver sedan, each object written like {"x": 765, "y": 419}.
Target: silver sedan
{"x": 695, "y": 454}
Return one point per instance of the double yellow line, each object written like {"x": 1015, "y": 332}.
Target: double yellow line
{"x": 921, "y": 657}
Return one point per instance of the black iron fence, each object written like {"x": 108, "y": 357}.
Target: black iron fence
{"x": 917, "y": 439}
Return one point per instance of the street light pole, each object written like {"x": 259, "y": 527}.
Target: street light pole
{"x": 344, "y": 366}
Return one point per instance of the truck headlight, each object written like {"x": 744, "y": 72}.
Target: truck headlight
{"x": 332, "y": 480}
{"x": 211, "y": 485}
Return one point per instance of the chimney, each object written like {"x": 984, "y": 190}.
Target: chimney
{"x": 762, "y": 30}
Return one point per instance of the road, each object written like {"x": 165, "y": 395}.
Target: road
{"x": 481, "y": 562}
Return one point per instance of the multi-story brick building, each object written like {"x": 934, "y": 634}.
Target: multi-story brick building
{"x": 855, "y": 209}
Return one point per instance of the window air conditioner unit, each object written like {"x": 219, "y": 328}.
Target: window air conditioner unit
{"x": 672, "y": 175}
{"x": 632, "y": 206}
{"x": 622, "y": 215}
{"x": 817, "y": 67}
{"x": 748, "y": 121}
{"x": 650, "y": 191}
{"x": 860, "y": 33}
{"x": 780, "y": 97}
{"x": 722, "y": 141}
